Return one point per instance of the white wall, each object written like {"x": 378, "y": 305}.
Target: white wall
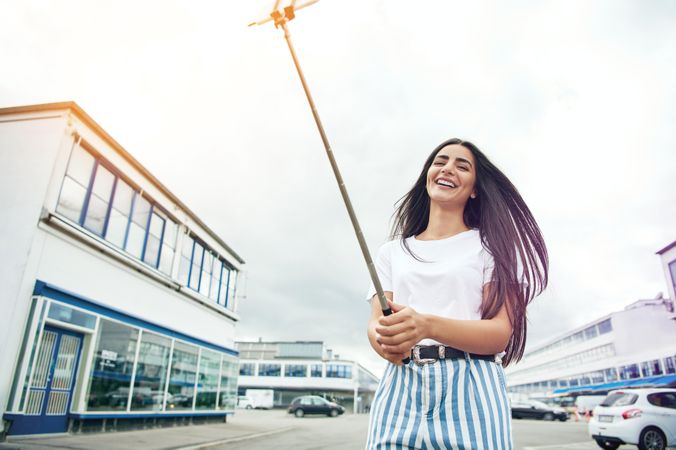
{"x": 80, "y": 269}
{"x": 28, "y": 150}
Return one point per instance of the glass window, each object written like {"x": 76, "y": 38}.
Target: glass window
{"x": 225, "y": 279}
{"x": 207, "y": 381}
{"x": 97, "y": 209}
{"x": 295, "y": 370}
{"x": 338, "y": 371}
{"x": 669, "y": 366}
{"x": 195, "y": 271}
{"x": 663, "y": 399}
{"x": 168, "y": 247}
{"x": 269, "y": 370}
{"x": 316, "y": 370}
{"x": 71, "y": 199}
{"x": 232, "y": 289}
{"x": 605, "y": 327}
{"x": 610, "y": 374}
{"x": 67, "y": 314}
{"x": 228, "y": 391}
{"x": 137, "y": 227}
{"x": 152, "y": 251}
{"x": 182, "y": 379}
{"x": 80, "y": 165}
{"x": 246, "y": 369}
{"x": 185, "y": 262}
{"x": 112, "y": 367}
{"x": 207, "y": 266}
{"x": 151, "y": 373}
{"x": 116, "y": 231}
{"x": 629, "y": 372}
{"x": 672, "y": 271}
{"x": 215, "y": 280}
{"x": 591, "y": 332}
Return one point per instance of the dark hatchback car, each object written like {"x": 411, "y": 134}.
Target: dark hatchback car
{"x": 312, "y": 404}
{"x": 533, "y": 409}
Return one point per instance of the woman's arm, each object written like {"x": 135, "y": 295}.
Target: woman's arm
{"x": 399, "y": 332}
{"x": 376, "y": 314}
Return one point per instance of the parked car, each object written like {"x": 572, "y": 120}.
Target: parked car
{"x": 245, "y": 402}
{"x": 642, "y": 417}
{"x": 312, "y": 404}
{"x": 534, "y": 409}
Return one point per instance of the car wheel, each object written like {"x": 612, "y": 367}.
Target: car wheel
{"x": 548, "y": 416}
{"x": 652, "y": 439}
{"x": 333, "y": 413}
{"x": 299, "y": 413}
{"x": 607, "y": 445}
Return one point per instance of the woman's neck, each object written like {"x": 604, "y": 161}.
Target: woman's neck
{"x": 443, "y": 223}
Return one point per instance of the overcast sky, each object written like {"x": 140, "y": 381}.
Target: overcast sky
{"x": 574, "y": 100}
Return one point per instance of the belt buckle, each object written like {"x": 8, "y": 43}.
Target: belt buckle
{"x": 421, "y": 361}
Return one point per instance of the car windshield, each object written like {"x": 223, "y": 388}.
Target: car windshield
{"x": 620, "y": 399}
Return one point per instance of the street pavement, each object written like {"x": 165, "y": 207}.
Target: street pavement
{"x": 276, "y": 430}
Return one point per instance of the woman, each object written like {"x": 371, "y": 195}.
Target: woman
{"x": 467, "y": 260}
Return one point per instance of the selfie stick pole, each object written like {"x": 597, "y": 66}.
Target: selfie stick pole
{"x": 281, "y": 18}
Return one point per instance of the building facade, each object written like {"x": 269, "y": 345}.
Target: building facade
{"x": 632, "y": 347}
{"x": 119, "y": 303}
{"x": 292, "y": 369}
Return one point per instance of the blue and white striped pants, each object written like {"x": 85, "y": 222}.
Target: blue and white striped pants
{"x": 450, "y": 404}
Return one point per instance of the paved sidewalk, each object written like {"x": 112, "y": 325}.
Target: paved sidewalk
{"x": 242, "y": 426}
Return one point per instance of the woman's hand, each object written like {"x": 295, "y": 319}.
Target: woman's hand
{"x": 399, "y": 332}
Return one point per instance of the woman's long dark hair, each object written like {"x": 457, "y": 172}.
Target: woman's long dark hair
{"x": 508, "y": 232}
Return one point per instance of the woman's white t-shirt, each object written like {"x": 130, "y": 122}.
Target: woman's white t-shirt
{"x": 448, "y": 282}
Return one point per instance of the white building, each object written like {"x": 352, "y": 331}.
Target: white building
{"x": 292, "y": 369}
{"x": 632, "y": 347}
{"x": 119, "y": 304}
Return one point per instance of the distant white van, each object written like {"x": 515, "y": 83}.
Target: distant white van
{"x": 245, "y": 402}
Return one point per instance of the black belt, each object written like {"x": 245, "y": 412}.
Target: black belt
{"x": 425, "y": 354}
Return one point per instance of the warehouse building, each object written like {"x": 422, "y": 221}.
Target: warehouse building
{"x": 292, "y": 369}
{"x": 635, "y": 347}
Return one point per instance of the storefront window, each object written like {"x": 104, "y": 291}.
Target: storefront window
{"x": 113, "y": 364}
{"x": 67, "y": 314}
{"x": 207, "y": 384}
{"x": 182, "y": 380}
{"x": 228, "y": 392}
{"x": 151, "y": 373}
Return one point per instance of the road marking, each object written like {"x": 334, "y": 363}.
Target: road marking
{"x": 572, "y": 445}
{"x": 206, "y": 445}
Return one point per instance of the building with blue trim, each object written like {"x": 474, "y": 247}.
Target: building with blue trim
{"x": 635, "y": 347}
{"x": 119, "y": 304}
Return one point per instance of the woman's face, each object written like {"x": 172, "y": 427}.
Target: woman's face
{"x": 451, "y": 177}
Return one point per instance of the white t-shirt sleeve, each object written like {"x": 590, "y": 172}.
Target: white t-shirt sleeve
{"x": 489, "y": 265}
{"x": 383, "y": 263}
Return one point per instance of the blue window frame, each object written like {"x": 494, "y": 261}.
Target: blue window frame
{"x": 316, "y": 370}
{"x": 269, "y": 370}
{"x": 204, "y": 271}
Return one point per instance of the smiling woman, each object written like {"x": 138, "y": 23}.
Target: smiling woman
{"x": 466, "y": 259}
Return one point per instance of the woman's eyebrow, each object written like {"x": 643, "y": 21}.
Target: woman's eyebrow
{"x": 463, "y": 160}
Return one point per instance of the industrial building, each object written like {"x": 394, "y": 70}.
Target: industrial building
{"x": 635, "y": 347}
{"x": 119, "y": 303}
{"x": 292, "y": 369}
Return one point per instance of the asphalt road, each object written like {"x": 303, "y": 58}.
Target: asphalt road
{"x": 349, "y": 432}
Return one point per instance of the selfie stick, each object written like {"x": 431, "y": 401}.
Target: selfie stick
{"x": 281, "y": 17}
